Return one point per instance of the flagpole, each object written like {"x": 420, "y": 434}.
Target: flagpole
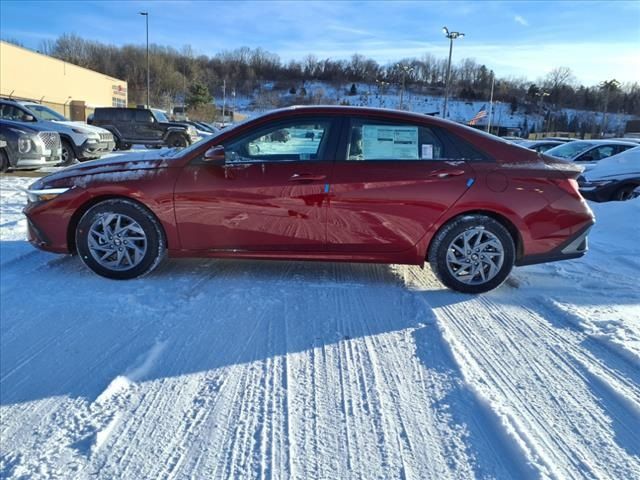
{"x": 493, "y": 79}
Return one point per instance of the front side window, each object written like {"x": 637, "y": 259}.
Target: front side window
{"x": 292, "y": 141}
{"x": 10, "y": 112}
{"x": 143, "y": 116}
{"x": 45, "y": 113}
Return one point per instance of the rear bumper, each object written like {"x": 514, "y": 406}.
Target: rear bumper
{"x": 574, "y": 247}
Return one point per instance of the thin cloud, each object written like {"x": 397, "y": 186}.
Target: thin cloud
{"x": 521, "y": 20}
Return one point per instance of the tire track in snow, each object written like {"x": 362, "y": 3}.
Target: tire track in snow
{"x": 522, "y": 367}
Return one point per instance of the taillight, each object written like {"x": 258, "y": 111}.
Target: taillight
{"x": 569, "y": 185}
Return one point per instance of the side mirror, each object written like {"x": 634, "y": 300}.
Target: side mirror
{"x": 28, "y": 118}
{"x": 215, "y": 155}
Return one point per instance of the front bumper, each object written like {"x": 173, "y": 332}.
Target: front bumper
{"x": 96, "y": 149}
{"x": 38, "y": 158}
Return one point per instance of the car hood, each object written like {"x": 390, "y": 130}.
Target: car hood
{"x": 146, "y": 160}
{"x": 82, "y": 126}
{"x": 622, "y": 165}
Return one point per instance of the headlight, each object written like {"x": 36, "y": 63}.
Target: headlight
{"x": 44, "y": 194}
{"x": 24, "y": 144}
{"x": 596, "y": 183}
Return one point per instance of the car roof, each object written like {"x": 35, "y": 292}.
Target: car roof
{"x": 604, "y": 141}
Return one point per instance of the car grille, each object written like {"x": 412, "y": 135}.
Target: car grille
{"x": 106, "y": 137}
{"x": 51, "y": 140}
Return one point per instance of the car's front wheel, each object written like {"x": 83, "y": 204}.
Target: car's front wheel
{"x": 68, "y": 153}
{"x": 177, "y": 140}
{"x": 624, "y": 193}
{"x": 4, "y": 161}
{"x": 472, "y": 254}
{"x": 120, "y": 239}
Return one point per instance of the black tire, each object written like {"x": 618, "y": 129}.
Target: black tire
{"x": 68, "y": 154}
{"x": 624, "y": 193}
{"x": 4, "y": 162}
{"x": 123, "y": 146}
{"x": 155, "y": 251}
{"x": 439, "y": 250}
{"x": 177, "y": 140}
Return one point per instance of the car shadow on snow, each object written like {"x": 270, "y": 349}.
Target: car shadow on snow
{"x": 66, "y": 331}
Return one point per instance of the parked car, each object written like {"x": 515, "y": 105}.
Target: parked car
{"x": 614, "y": 178}
{"x": 208, "y": 127}
{"x": 79, "y": 140}
{"x": 143, "y": 126}
{"x": 200, "y": 130}
{"x": 540, "y": 146}
{"x": 27, "y": 146}
{"x": 369, "y": 185}
{"x": 588, "y": 152}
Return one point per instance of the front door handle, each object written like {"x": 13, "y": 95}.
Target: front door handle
{"x": 306, "y": 177}
{"x": 447, "y": 173}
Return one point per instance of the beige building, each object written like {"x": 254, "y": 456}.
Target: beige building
{"x": 71, "y": 90}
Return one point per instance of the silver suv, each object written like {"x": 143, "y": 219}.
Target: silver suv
{"x": 79, "y": 140}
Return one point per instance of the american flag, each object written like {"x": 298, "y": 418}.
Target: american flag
{"x": 481, "y": 114}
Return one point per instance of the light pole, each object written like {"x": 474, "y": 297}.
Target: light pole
{"x": 146, "y": 16}
{"x": 451, "y": 36}
{"x": 405, "y": 69}
{"x": 541, "y": 94}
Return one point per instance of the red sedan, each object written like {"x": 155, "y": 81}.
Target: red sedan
{"x": 321, "y": 183}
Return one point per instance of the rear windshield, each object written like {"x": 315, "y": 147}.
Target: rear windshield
{"x": 568, "y": 150}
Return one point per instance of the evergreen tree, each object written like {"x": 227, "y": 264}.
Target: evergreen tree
{"x": 198, "y": 96}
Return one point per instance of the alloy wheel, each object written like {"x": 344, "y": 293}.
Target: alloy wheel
{"x": 475, "y": 256}
{"x": 117, "y": 242}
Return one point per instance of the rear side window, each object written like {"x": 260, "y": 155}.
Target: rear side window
{"x": 370, "y": 140}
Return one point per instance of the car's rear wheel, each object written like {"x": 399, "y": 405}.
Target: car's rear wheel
{"x": 68, "y": 154}
{"x": 624, "y": 193}
{"x": 120, "y": 239}
{"x": 177, "y": 140}
{"x": 472, "y": 254}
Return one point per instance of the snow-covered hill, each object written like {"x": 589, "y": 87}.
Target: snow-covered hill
{"x": 389, "y": 97}
{"x": 243, "y": 369}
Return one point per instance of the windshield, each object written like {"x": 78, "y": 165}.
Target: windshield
{"x": 160, "y": 116}
{"x": 568, "y": 150}
{"x": 45, "y": 113}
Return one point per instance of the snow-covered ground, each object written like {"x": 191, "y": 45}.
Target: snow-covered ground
{"x": 243, "y": 369}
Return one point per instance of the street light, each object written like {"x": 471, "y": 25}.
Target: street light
{"x": 405, "y": 69}
{"x": 451, "y": 36}
{"x": 146, "y": 16}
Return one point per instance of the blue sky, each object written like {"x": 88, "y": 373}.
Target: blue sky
{"x": 597, "y": 40}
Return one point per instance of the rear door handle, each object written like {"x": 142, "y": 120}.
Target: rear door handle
{"x": 447, "y": 173}
{"x": 306, "y": 177}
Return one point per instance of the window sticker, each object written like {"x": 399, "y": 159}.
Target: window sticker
{"x": 427, "y": 151}
{"x": 382, "y": 142}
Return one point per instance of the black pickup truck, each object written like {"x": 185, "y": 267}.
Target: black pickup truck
{"x": 27, "y": 147}
{"x": 143, "y": 126}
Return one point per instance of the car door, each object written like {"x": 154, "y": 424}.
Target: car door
{"x": 394, "y": 181}
{"x": 269, "y": 195}
{"x": 146, "y": 126}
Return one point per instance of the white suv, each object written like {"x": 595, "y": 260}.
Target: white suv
{"x": 79, "y": 140}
